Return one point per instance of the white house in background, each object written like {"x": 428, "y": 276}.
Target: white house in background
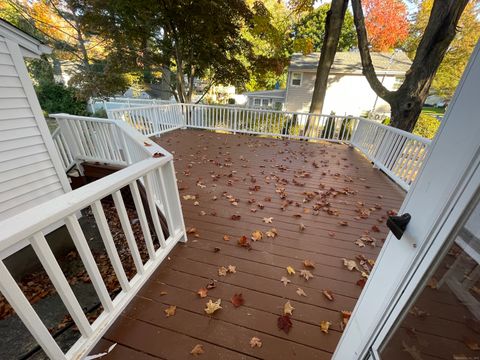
{"x": 348, "y": 91}
{"x": 267, "y": 99}
{"x": 30, "y": 168}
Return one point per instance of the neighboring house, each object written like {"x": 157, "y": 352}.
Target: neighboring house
{"x": 30, "y": 168}
{"x": 348, "y": 91}
{"x": 267, "y": 99}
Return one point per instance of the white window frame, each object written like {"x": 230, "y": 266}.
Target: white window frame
{"x": 267, "y": 101}
{"x": 292, "y": 78}
{"x": 255, "y": 102}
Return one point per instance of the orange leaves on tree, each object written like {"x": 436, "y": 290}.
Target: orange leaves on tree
{"x": 386, "y": 23}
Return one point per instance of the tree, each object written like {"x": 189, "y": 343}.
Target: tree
{"x": 386, "y": 23}
{"x": 333, "y": 28}
{"x": 309, "y": 31}
{"x": 407, "y": 101}
{"x": 450, "y": 71}
{"x": 269, "y": 36}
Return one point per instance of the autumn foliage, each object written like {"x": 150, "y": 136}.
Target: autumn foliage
{"x": 386, "y": 23}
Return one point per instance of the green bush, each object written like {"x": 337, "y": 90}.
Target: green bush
{"x": 57, "y": 98}
{"x": 426, "y": 126}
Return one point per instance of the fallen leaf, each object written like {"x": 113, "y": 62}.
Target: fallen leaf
{"x": 301, "y": 227}
{"x": 412, "y": 351}
{"x": 158, "y": 155}
{"x": 343, "y": 223}
{"x": 237, "y": 300}
{"x": 268, "y": 220}
{"x": 290, "y": 270}
{"x": 328, "y": 294}
{"x": 350, "y": 264}
{"x": 211, "y": 285}
{"x": 284, "y": 280}
{"x": 271, "y": 233}
{"x": 284, "y": 323}
{"x": 163, "y": 293}
{"x": 191, "y": 230}
{"x": 170, "y": 311}
{"x": 345, "y": 316}
{"x": 255, "y": 342}
{"x": 306, "y": 274}
{"x": 222, "y": 271}
{"x": 213, "y": 306}
{"x": 232, "y": 269}
{"x": 309, "y": 264}
{"x": 243, "y": 242}
{"x": 235, "y": 217}
{"x": 300, "y": 292}
{"x": 146, "y": 144}
{"x": 202, "y": 292}
{"x": 472, "y": 344}
{"x": 257, "y": 235}
{"x": 226, "y": 238}
{"x": 325, "y": 325}
{"x": 216, "y": 249}
{"x": 100, "y": 355}
{"x": 197, "y": 350}
{"x": 361, "y": 282}
{"x": 288, "y": 308}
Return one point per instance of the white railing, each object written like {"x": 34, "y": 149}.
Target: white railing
{"x": 151, "y": 120}
{"x": 398, "y": 153}
{"x": 149, "y": 166}
{"x": 63, "y": 149}
{"x": 113, "y": 103}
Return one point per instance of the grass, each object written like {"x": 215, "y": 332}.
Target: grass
{"x": 433, "y": 111}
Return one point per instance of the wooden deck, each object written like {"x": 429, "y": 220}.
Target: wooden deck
{"x": 221, "y": 170}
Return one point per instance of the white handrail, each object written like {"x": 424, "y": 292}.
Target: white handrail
{"x": 146, "y": 163}
{"x": 398, "y": 153}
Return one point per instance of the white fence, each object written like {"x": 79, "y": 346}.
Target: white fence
{"x": 113, "y": 103}
{"x": 150, "y": 166}
{"x": 398, "y": 153}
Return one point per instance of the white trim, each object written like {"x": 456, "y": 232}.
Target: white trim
{"x": 27, "y": 85}
{"x": 30, "y": 46}
{"x": 301, "y": 79}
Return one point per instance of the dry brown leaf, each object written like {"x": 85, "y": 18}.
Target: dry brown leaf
{"x": 232, "y": 269}
{"x": 268, "y": 220}
{"x": 306, "y": 274}
{"x": 255, "y": 342}
{"x": 211, "y": 285}
{"x": 284, "y": 280}
{"x": 350, "y": 264}
{"x": 222, "y": 271}
{"x": 163, "y": 293}
{"x": 226, "y": 238}
{"x": 271, "y": 233}
{"x": 325, "y": 325}
{"x": 309, "y": 264}
{"x": 197, "y": 350}
{"x": 202, "y": 292}
{"x": 191, "y": 230}
{"x": 328, "y": 294}
{"x": 243, "y": 242}
{"x": 345, "y": 316}
{"x": 170, "y": 311}
{"x": 301, "y": 227}
{"x": 472, "y": 344}
{"x": 300, "y": 292}
{"x": 290, "y": 270}
{"x": 257, "y": 235}
{"x": 288, "y": 308}
{"x": 211, "y": 306}
{"x": 284, "y": 323}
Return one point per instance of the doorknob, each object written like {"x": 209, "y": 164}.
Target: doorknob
{"x": 398, "y": 224}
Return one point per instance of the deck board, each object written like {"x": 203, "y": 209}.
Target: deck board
{"x": 209, "y": 164}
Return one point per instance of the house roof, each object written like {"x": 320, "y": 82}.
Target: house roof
{"x": 350, "y": 62}
{"x": 30, "y": 46}
{"x": 267, "y": 93}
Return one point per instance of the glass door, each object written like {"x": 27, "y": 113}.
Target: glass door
{"x": 443, "y": 320}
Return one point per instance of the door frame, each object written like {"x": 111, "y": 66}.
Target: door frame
{"x": 447, "y": 182}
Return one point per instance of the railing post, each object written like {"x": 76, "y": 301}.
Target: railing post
{"x": 235, "y": 120}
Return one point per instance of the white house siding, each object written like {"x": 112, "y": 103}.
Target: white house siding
{"x": 348, "y": 94}
{"x": 29, "y": 173}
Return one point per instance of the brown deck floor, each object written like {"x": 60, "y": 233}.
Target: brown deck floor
{"x": 250, "y": 168}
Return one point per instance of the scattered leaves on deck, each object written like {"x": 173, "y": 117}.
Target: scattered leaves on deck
{"x": 325, "y": 325}
{"x": 309, "y": 264}
{"x": 170, "y": 311}
{"x": 197, "y": 350}
{"x": 290, "y": 270}
{"x": 307, "y": 275}
{"x": 202, "y": 292}
{"x": 257, "y": 235}
{"x": 267, "y": 220}
{"x": 237, "y": 300}
{"x": 350, "y": 264}
{"x": 255, "y": 342}
{"x": 284, "y": 323}
{"x": 300, "y": 292}
{"x": 284, "y": 280}
{"x": 288, "y": 308}
{"x": 328, "y": 294}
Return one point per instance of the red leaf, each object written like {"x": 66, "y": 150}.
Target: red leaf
{"x": 284, "y": 323}
{"x": 237, "y": 300}
{"x": 158, "y": 155}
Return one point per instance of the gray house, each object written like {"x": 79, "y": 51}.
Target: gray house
{"x": 348, "y": 90}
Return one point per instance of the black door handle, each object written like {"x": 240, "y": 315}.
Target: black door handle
{"x": 398, "y": 224}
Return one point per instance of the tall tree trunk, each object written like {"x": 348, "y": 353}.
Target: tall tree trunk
{"x": 406, "y": 103}
{"x": 333, "y": 28}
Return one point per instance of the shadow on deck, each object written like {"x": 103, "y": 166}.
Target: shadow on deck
{"x": 319, "y": 199}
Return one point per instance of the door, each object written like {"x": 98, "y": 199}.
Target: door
{"x": 443, "y": 206}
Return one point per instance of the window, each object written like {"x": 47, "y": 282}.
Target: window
{"x": 296, "y": 79}
{"x": 256, "y": 102}
{"x": 265, "y": 102}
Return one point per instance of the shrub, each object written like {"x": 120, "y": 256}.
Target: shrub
{"x": 57, "y": 98}
{"x": 426, "y": 126}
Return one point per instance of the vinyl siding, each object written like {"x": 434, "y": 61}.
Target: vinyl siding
{"x": 27, "y": 173}
{"x": 347, "y": 94}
